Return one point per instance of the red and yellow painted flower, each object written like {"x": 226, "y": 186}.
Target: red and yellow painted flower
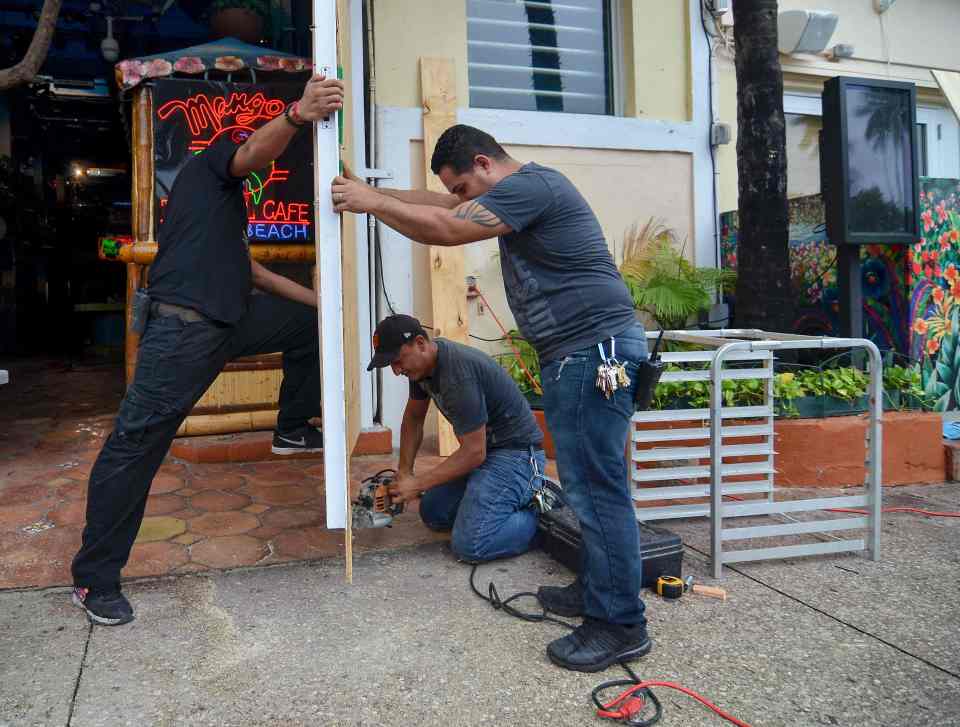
{"x": 933, "y": 345}
{"x": 920, "y": 327}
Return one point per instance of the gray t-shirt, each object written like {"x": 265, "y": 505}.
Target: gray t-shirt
{"x": 471, "y": 390}
{"x": 562, "y": 285}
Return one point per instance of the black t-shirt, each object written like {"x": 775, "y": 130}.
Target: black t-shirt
{"x": 202, "y": 259}
{"x": 471, "y": 390}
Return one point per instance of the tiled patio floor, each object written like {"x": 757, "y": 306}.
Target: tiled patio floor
{"x": 199, "y": 516}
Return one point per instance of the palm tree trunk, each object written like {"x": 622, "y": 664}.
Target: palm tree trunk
{"x": 36, "y": 54}
{"x": 764, "y": 296}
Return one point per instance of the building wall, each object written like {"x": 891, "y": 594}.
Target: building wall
{"x": 630, "y": 168}
{"x": 902, "y": 45}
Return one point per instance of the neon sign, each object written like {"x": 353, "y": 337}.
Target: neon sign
{"x": 278, "y": 200}
{"x": 203, "y": 111}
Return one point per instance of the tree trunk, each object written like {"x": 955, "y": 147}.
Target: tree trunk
{"x": 764, "y": 296}
{"x": 36, "y": 54}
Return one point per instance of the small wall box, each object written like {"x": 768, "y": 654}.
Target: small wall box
{"x": 868, "y": 162}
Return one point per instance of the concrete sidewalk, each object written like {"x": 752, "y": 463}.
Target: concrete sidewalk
{"x": 823, "y": 641}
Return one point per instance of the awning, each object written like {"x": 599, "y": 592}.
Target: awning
{"x": 227, "y": 55}
{"x": 949, "y": 82}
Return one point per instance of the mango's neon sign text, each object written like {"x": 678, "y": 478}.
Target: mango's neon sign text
{"x": 205, "y": 112}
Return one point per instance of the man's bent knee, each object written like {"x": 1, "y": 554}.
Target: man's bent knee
{"x": 432, "y": 515}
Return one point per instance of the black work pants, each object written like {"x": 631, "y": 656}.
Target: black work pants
{"x": 176, "y": 364}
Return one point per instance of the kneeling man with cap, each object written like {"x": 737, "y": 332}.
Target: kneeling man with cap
{"x": 484, "y": 490}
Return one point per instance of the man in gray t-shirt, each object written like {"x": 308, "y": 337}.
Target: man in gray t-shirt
{"x": 483, "y": 491}
{"x": 570, "y": 302}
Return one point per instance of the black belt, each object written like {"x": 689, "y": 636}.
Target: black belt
{"x": 187, "y": 315}
{"x": 517, "y": 447}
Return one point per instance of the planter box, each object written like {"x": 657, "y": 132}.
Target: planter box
{"x": 830, "y": 452}
{"x": 817, "y": 407}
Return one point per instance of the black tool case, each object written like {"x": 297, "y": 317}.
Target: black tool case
{"x": 660, "y": 550}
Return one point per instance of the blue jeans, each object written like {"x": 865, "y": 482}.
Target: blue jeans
{"x": 489, "y": 508}
{"x": 590, "y": 434}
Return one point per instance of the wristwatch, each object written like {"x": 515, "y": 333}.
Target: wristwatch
{"x": 290, "y": 115}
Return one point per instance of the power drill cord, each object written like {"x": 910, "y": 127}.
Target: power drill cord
{"x": 627, "y": 708}
{"x": 629, "y": 704}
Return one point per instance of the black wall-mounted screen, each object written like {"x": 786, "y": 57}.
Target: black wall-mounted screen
{"x": 869, "y": 161}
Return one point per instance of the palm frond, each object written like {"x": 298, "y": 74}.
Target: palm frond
{"x": 661, "y": 280}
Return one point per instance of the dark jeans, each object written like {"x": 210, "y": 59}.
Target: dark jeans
{"x": 590, "y": 434}
{"x": 488, "y": 509}
{"x": 176, "y": 363}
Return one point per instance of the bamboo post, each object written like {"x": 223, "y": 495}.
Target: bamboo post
{"x": 131, "y": 340}
{"x": 143, "y": 253}
{"x": 447, "y": 279}
{"x": 142, "y": 195}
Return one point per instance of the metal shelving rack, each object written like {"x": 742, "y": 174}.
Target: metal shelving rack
{"x": 704, "y": 441}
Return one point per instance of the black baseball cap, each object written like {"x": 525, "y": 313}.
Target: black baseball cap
{"x": 391, "y": 334}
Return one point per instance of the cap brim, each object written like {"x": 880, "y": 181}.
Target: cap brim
{"x": 381, "y": 359}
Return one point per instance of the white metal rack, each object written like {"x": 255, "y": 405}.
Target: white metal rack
{"x": 709, "y": 454}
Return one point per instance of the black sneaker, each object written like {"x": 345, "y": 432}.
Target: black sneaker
{"x": 596, "y": 645}
{"x": 107, "y": 607}
{"x": 563, "y": 601}
{"x": 304, "y": 439}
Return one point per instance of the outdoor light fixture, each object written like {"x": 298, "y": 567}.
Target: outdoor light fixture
{"x": 805, "y": 31}
{"x": 109, "y": 46}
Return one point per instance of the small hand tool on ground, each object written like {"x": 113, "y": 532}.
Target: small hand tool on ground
{"x": 712, "y": 591}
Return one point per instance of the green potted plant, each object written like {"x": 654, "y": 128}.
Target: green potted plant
{"x": 662, "y": 281}
{"x": 241, "y": 19}
{"x": 508, "y": 360}
{"x": 903, "y": 388}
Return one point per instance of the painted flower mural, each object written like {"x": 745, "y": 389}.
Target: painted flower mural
{"x": 933, "y": 272}
{"x": 813, "y": 270}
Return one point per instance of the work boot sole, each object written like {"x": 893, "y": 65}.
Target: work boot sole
{"x": 631, "y": 654}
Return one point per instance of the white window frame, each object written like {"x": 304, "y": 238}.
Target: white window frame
{"x": 942, "y": 132}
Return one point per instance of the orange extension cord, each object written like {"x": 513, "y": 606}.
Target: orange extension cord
{"x": 626, "y": 705}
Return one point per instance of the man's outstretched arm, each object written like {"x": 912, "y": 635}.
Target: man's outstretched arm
{"x": 467, "y": 222}
{"x": 413, "y": 196}
{"x": 269, "y": 282}
{"x": 321, "y": 97}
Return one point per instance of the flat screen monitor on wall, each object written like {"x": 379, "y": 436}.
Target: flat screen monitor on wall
{"x": 869, "y": 162}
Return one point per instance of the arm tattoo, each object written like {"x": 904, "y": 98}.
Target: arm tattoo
{"x": 477, "y": 213}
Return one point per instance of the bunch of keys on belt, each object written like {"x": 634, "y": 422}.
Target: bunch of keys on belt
{"x": 611, "y": 374}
